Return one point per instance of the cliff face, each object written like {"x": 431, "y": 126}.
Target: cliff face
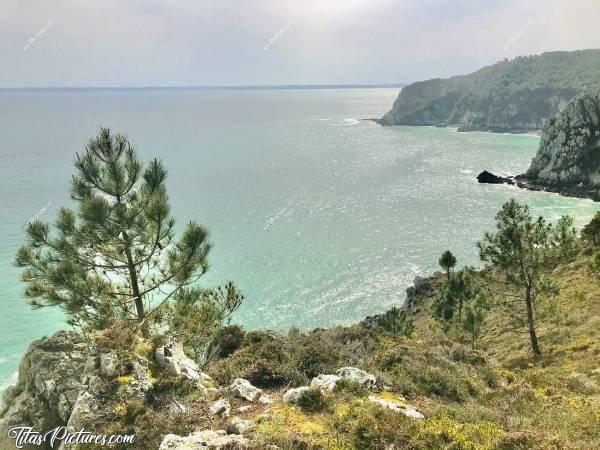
{"x": 568, "y": 157}
{"x": 509, "y": 96}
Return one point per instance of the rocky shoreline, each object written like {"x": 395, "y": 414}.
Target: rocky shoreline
{"x": 521, "y": 181}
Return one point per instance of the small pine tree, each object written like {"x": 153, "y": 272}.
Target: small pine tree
{"x": 115, "y": 257}
{"x": 449, "y": 305}
{"x": 472, "y": 322}
{"x": 396, "y": 322}
{"x": 447, "y": 261}
{"x": 523, "y": 248}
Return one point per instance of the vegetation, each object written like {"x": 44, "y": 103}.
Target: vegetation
{"x": 522, "y": 248}
{"x": 509, "y": 95}
{"x": 115, "y": 258}
{"x": 447, "y": 262}
{"x": 591, "y": 232}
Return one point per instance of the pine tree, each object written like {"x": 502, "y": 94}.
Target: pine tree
{"x": 115, "y": 257}
{"x": 523, "y": 248}
{"x": 447, "y": 261}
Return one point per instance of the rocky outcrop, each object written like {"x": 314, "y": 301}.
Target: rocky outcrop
{"x": 324, "y": 382}
{"x": 243, "y": 389}
{"x": 489, "y": 178}
{"x": 208, "y": 439}
{"x": 50, "y": 379}
{"x": 172, "y": 358}
{"x": 510, "y": 96}
{"x": 396, "y": 406}
{"x": 568, "y": 158}
{"x": 359, "y": 376}
{"x": 294, "y": 394}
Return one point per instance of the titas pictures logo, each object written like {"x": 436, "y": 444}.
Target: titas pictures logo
{"x": 28, "y": 436}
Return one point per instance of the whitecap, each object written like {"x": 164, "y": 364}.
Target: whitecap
{"x": 466, "y": 171}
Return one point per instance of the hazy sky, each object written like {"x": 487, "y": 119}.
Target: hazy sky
{"x": 226, "y": 42}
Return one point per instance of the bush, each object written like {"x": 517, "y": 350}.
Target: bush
{"x": 352, "y": 388}
{"x": 313, "y": 401}
{"x": 227, "y": 340}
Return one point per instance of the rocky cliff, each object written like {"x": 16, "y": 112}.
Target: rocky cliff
{"x": 510, "y": 96}
{"x": 568, "y": 158}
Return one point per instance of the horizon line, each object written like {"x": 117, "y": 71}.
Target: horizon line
{"x": 212, "y": 87}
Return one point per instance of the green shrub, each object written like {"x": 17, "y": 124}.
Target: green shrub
{"x": 313, "y": 401}
{"x": 352, "y": 388}
{"x": 227, "y": 340}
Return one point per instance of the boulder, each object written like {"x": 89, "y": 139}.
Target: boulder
{"x": 239, "y": 426}
{"x": 220, "y": 408}
{"x": 358, "y": 376}
{"x": 172, "y": 358}
{"x": 293, "y": 395}
{"x": 109, "y": 363}
{"x": 324, "y": 382}
{"x": 489, "y": 178}
{"x": 208, "y": 439}
{"x": 243, "y": 389}
{"x": 398, "y": 407}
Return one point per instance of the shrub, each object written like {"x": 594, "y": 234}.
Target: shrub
{"x": 351, "y": 387}
{"x": 227, "y": 340}
{"x": 313, "y": 401}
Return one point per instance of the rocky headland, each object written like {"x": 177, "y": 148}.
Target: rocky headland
{"x": 509, "y": 97}
{"x": 568, "y": 158}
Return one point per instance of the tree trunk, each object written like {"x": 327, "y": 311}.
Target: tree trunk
{"x": 139, "y": 304}
{"x": 448, "y": 274}
{"x": 535, "y": 348}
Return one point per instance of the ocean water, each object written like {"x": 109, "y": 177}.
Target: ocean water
{"x": 319, "y": 217}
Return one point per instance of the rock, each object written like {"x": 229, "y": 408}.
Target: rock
{"x": 244, "y": 408}
{"x": 50, "y": 377}
{"x": 265, "y": 399}
{"x": 293, "y": 395}
{"x": 324, "y": 382}
{"x": 490, "y": 178}
{"x": 220, "y": 408}
{"x": 172, "y": 358}
{"x": 176, "y": 407}
{"x": 568, "y": 157}
{"x": 243, "y": 389}
{"x": 239, "y": 426}
{"x": 397, "y": 407}
{"x": 109, "y": 365}
{"x": 358, "y": 376}
{"x": 208, "y": 439}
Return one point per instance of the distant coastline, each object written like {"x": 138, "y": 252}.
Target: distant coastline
{"x": 208, "y": 88}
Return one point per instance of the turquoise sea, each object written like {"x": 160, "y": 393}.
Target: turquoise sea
{"x": 319, "y": 217}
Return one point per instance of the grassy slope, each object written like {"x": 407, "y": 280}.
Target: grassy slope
{"x": 498, "y": 397}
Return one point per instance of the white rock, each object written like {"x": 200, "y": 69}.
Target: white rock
{"x": 358, "y": 376}
{"x": 208, "y": 439}
{"x": 108, "y": 364}
{"x": 397, "y": 407}
{"x": 239, "y": 426}
{"x": 244, "y": 408}
{"x": 243, "y": 389}
{"x": 265, "y": 399}
{"x": 172, "y": 358}
{"x": 220, "y": 408}
{"x": 293, "y": 395}
{"x": 324, "y": 382}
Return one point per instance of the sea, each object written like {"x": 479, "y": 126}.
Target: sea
{"x": 317, "y": 215}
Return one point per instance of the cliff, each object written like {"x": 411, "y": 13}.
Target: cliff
{"x": 510, "y": 96}
{"x": 568, "y": 158}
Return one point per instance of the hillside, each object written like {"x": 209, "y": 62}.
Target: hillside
{"x": 509, "y": 96}
{"x": 429, "y": 390}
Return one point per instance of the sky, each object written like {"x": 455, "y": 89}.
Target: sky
{"x": 266, "y": 42}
